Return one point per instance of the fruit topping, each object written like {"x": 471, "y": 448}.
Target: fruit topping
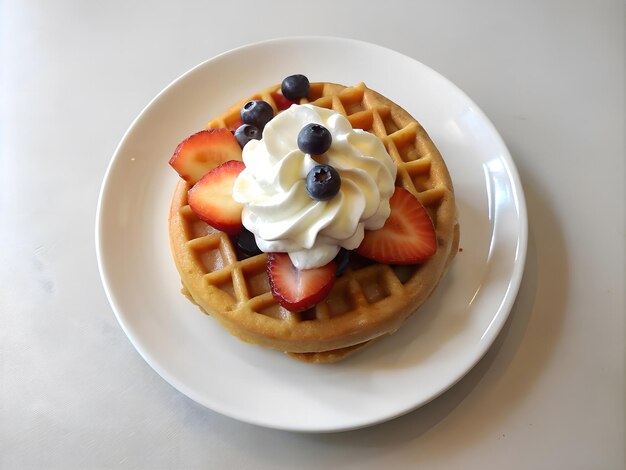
{"x": 407, "y": 237}
{"x": 200, "y": 153}
{"x": 323, "y": 182}
{"x": 211, "y": 198}
{"x": 342, "y": 260}
{"x": 314, "y": 139}
{"x": 247, "y": 243}
{"x": 233, "y": 126}
{"x": 282, "y": 103}
{"x": 298, "y": 289}
{"x": 257, "y": 113}
{"x": 295, "y": 87}
{"x": 245, "y": 133}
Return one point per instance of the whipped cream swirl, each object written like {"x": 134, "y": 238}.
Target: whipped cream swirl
{"x": 279, "y": 211}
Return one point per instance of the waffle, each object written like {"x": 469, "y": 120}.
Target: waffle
{"x": 369, "y": 300}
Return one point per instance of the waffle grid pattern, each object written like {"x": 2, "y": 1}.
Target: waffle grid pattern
{"x": 239, "y": 288}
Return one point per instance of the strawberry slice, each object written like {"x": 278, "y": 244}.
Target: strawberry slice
{"x": 407, "y": 237}
{"x": 298, "y": 289}
{"x": 211, "y": 198}
{"x": 233, "y": 126}
{"x": 201, "y": 152}
{"x": 282, "y": 103}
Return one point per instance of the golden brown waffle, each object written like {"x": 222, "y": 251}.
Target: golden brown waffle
{"x": 370, "y": 299}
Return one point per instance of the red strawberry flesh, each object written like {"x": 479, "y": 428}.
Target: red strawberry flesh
{"x": 282, "y": 103}
{"x": 298, "y": 289}
{"x": 201, "y": 152}
{"x": 408, "y": 236}
{"x": 211, "y": 198}
{"x": 233, "y": 126}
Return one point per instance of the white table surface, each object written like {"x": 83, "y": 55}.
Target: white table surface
{"x": 549, "y": 394}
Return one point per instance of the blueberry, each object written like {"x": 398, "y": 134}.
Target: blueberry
{"x": 246, "y": 243}
{"x": 245, "y": 133}
{"x": 314, "y": 139}
{"x": 295, "y": 87}
{"x": 257, "y": 113}
{"x": 323, "y": 182}
{"x": 342, "y": 259}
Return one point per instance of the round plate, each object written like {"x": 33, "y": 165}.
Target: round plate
{"x": 431, "y": 352}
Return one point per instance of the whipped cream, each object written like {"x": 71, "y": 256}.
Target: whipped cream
{"x": 279, "y": 211}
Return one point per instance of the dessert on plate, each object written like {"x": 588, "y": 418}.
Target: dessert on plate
{"x": 312, "y": 218}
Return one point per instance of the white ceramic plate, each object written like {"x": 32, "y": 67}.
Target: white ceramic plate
{"x": 192, "y": 352}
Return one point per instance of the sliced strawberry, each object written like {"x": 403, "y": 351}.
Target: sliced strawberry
{"x": 298, "y": 289}
{"x": 282, "y": 103}
{"x": 233, "y": 126}
{"x": 407, "y": 237}
{"x": 201, "y": 152}
{"x": 211, "y": 198}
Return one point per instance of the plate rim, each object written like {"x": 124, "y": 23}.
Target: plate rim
{"x": 499, "y": 317}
